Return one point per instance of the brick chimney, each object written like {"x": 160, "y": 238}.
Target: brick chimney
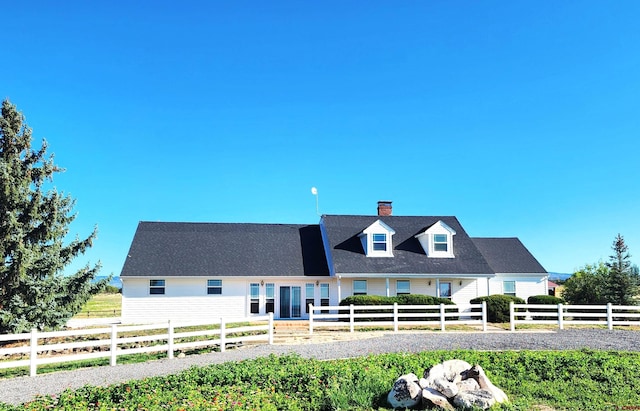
{"x": 384, "y": 208}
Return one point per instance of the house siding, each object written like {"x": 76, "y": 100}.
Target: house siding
{"x": 186, "y": 299}
{"x": 526, "y": 286}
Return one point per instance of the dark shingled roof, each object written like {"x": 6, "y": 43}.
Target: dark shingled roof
{"x": 508, "y": 255}
{"x": 218, "y": 249}
{"x": 408, "y": 255}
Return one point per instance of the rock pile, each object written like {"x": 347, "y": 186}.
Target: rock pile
{"x": 451, "y": 383}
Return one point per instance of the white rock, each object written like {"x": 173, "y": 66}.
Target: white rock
{"x": 477, "y": 398}
{"x": 477, "y": 373}
{"x": 445, "y": 376}
{"x": 406, "y": 392}
{"x": 431, "y": 397}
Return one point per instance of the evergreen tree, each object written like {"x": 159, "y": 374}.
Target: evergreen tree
{"x": 622, "y": 284}
{"x": 34, "y": 221}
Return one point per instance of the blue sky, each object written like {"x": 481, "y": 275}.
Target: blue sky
{"x": 520, "y": 118}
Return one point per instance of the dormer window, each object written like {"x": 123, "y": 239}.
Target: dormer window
{"x": 440, "y": 243}
{"x": 377, "y": 240}
{"x": 437, "y": 240}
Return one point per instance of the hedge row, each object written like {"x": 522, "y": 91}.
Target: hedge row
{"x": 408, "y": 299}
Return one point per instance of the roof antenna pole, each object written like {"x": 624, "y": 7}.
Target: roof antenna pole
{"x": 314, "y": 191}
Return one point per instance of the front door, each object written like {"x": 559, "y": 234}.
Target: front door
{"x": 290, "y": 302}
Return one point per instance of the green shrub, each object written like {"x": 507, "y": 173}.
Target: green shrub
{"x": 498, "y": 306}
{"x": 544, "y": 299}
{"x": 420, "y": 299}
{"x": 408, "y": 299}
{"x": 367, "y": 300}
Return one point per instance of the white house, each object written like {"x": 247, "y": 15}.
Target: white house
{"x": 189, "y": 271}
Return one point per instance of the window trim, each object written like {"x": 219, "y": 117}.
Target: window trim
{"x": 214, "y": 287}
{"x": 504, "y": 288}
{"x": 437, "y": 243}
{"x": 440, "y": 284}
{"x": 381, "y": 243}
{"x": 309, "y": 298}
{"x": 254, "y": 299}
{"x": 359, "y": 292}
{"x": 158, "y": 285}
{"x": 408, "y": 288}
{"x": 324, "y": 301}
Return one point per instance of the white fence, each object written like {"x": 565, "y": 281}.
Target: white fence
{"x": 113, "y": 346}
{"x": 396, "y": 315}
{"x": 562, "y": 314}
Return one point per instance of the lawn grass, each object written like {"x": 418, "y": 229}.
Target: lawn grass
{"x": 102, "y": 305}
{"x": 534, "y": 380}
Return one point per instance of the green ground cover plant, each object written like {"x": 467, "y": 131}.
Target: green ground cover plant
{"x": 550, "y": 380}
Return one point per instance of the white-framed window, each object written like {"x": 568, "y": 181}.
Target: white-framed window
{"x": 324, "y": 295}
{"x": 270, "y": 294}
{"x": 359, "y": 287}
{"x": 444, "y": 289}
{"x": 309, "y": 292}
{"x": 156, "y": 287}
{"x": 379, "y": 242}
{"x": 509, "y": 288}
{"x": 440, "y": 243}
{"x": 214, "y": 287}
{"x": 255, "y": 298}
{"x": 403, "y": 287}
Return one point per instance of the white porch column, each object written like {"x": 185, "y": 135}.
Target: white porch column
{"x": 438, "y": 287}
{"x": 339, "y": 290}
{"x": 387, "y": 281}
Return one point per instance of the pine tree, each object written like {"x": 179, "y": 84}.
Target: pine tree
{"x": 622, "y": 284}
{"x": 34, "y": 221}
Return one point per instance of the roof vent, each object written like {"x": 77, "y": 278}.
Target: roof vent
{"x": 384, "y": 208}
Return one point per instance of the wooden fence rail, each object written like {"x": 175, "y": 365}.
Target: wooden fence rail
{"x": 396, "y": 315}
{"x": 562, "y": 314}
{"x": 106, "y": 343}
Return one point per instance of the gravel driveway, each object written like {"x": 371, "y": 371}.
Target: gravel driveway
{"x": 22, "y": 389}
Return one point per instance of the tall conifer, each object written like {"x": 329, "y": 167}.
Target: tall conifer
{"x": 34, "y": 221}
{"x": 622, "y": 285}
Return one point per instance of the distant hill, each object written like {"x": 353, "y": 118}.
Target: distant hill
{"x": 559, "y": 276}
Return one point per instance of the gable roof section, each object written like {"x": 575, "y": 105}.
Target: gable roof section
{"x": 409, "y": 257}
{"x": 222, "y": 250}
{"x": 508, "y": 255}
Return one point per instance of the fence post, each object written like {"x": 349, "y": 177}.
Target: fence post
{"x": 351, "y": 318}
{"x": 170, "y": 341}
{"x": 442, "y": 327}
{"x": 484, "y": 316}
{"x": 560, "y": 317}
{"x": 270, "y": 328}
{"x": 114, "y": 345}
{"x": 512, "y": 316}
{"x": 222, "y": 335}
{"x": 310, "y": 319}
{"x": 33, "y": 365}
{"x": 395, "y": 317}
{"x": 609, "y": 316}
